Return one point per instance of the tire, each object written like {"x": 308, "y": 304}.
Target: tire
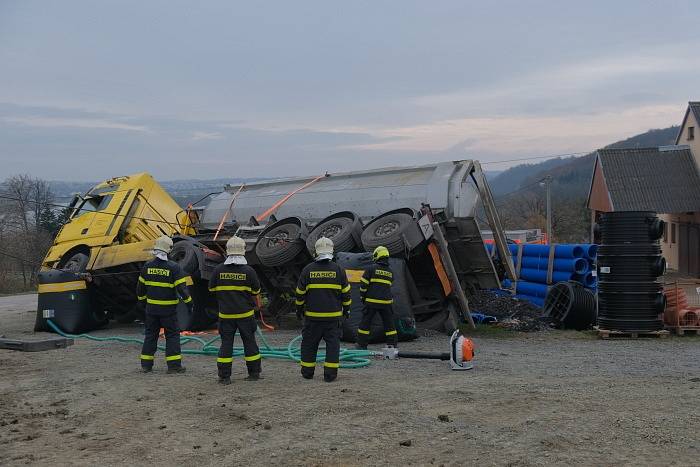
{"x": 341, "y": 229}
{"x": 200, "y": 319}
{"x": 281, "y": 243}
{"x": 436, "y": 322}
{"x": 387, "y": 231}
{"x": 184, "y": 254}
{"x": 76, "y": 263}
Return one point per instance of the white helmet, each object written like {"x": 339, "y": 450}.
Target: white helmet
{"x": 235, "y": 246}
{"x": 164, "y": 244}
{"x": 324, "y": 246}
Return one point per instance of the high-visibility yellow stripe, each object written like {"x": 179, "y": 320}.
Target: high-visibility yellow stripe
{"x": 346, "y": 289}
{"x": 141, "y": 297}
{"x": 166, "y": 285}
{"x": 188, "y": 280}
{"x": 182, "y": 280}
{"x": 363, "y": 290}
{"x": 300, "y": 292}
{"x": 247, "y": 314}
{"x": 380, "y": 302}
{"x": 331, "y": 314}
{"x": 152, "y": 301}
{"x": 390, "y": 333}
{"x": 252, "y": 358}
{"x": 142, "y": 280}
{"x": 331, "y": 365}
{"x": 362, "y": 331}
{"x": 147, "y": 357}
{"x": 347, "y": 302}
{"x": 308, "y": 364}
{"x": 224, "y": 360}
{"x": 171, "y": 358}
{"x": 187, "y": 300}
{"x": 234, "y": 288}
{"x": 299, "y": 302}
{"x": 62, "y": 287}
{"x": 364, "y": 281}
{"x": 324, "y": 286}
{"x": 381, "y": 281}
{"x": 255, "y": 292}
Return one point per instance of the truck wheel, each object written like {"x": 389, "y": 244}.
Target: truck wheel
{"x": 436, "y": 322}
{"x": 343, "y": 228}
{"x": 281, "y": 243}
{"x": 76, "y": 263}
{"x": 387, "y": 231}
{"x": 184, "y": 255}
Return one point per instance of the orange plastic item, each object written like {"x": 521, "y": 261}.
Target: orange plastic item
{"x": 440, "y": 269}
{"x": 467, "y": 350}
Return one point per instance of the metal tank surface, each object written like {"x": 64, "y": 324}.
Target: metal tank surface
{"x": 369, "y": 193}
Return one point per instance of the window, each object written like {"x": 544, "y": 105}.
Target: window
{"x": 91, "y": 204}
{"x": 673, "y": 233}
{"x": 691, "y": 133}
{"x": 665, "y": 232}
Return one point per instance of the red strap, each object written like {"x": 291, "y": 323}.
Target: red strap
{"x": 223, "y": 218}
{"x": 279, "y": 203}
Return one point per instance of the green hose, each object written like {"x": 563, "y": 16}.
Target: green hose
{"x": 348, "y": 358}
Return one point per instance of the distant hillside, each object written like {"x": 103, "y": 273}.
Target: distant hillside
{"x": 521, "y": 200}
{"x": 572, "y": 175}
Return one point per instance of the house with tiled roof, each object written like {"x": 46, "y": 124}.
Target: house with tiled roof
{"x": 663, "y": 179}
{"x": 688, "y": 133}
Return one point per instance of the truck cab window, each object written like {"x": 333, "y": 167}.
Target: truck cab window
{"x": 92, "y": 204}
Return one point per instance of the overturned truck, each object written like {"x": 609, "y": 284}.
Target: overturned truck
{"x": 399, "y": 208}
{"x": 425, "y": 216}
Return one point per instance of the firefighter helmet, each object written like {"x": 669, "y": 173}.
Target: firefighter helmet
{"x": 235, "y": 246}
{"x": 380, "y": 252}
{"x": 164, "y": 244}
{"x": 324, "y": 246}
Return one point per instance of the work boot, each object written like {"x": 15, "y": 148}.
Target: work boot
{"x": 253, "y": 377}
{"x": 146, "y": 369}
{"x": 329, "y": 378}
{"x": 176, "y": 369}
{"x": 225, "y": 381}
{"x": 307, "y": 374}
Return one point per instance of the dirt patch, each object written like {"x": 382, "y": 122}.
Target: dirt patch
{"x": 532, "y": 399}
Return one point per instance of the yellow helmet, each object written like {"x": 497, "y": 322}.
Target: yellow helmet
{"x": 235, "y": 246}
{"x": 324, "y": 246}
{"x": 164, "y": 244}
{"x": 380, "y": 252}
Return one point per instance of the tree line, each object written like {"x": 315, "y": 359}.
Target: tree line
{"x": 29, "y": 221}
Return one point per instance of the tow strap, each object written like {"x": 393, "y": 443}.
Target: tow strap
{"x": 279, "y": 203}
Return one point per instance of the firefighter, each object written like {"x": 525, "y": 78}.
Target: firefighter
{"x": 323, "y": 298}
{"x": 162, "y": 285}
{"x": 237, "y": 290}
{"x": 375, "y": 292}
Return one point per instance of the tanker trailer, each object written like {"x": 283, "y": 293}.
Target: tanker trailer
{"x": 398, "y": 207}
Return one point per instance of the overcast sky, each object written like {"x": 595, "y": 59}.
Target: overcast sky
{"x": 185, "y": 89}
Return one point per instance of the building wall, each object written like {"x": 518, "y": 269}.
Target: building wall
{"x": 669, "y": 242}
{"x": 695, "y": 142}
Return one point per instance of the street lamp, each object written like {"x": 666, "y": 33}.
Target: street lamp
{"x": 547, "y": 184}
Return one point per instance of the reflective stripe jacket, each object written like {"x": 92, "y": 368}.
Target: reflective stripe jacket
{"x": 162, "y": 285}
{"x": 323, "y": 291}
{"x": 375, "y": 285}
{"x": 235, "y": 285}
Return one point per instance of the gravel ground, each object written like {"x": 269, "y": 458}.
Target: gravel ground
{"x": 533, "y": 399}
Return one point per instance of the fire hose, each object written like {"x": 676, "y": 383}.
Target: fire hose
{"x": 348, "y": 358}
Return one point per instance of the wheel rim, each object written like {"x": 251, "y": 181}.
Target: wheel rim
{"x": 386, "y": 229}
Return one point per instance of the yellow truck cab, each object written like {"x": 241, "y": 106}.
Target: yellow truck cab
{"x": 108, "y": 238}
{"x": 116, "y": 223}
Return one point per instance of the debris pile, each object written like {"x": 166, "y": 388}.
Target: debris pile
{"x": 511, "y": 312}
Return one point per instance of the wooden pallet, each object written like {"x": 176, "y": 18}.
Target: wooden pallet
{"x": 681, "y": 330}
{"x": 607, "y": 334}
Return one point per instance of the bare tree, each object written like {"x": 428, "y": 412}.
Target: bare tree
{"x": 26, "y": 203}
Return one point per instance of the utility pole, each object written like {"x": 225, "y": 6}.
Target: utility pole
{"x": 548, "y": 185}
